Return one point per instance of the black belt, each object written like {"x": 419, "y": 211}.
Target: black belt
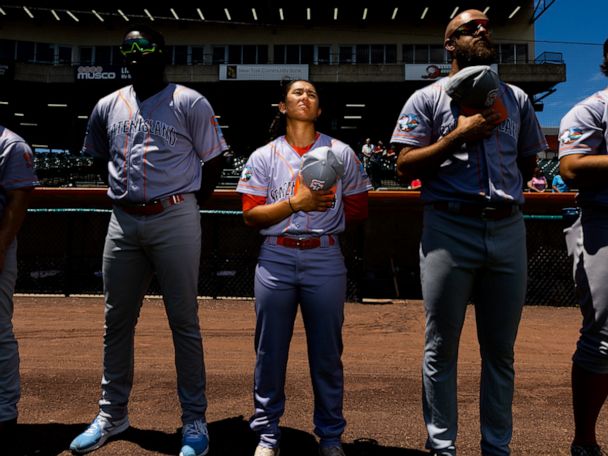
{"x": 151, "y": 207}
{"x": 477, "y": 210}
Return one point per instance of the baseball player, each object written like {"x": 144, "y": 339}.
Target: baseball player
{"x": 151, "y": 137}
{"x": 301, "y": 263}
{"x": 17, "y": 179}
{"x": 473, "y": 243}
{"x": 583, "y": 160}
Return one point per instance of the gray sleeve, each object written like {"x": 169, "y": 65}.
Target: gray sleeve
{"x": 581, "y": 129}
{"x": 96, "y": 142}
{"x": 531, "y": 139}
{"x": 415, "y": 124}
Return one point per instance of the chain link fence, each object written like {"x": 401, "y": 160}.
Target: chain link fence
{"x": 60, "y": 252}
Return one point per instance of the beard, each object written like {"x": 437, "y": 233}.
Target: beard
{"x": 478, "y": 53}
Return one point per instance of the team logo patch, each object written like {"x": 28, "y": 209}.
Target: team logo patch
{"x": 570, "y": 135}
{"x": 246, "y": 173}
{"x": 408, "y": 122}
{"x": 316, "y": 184}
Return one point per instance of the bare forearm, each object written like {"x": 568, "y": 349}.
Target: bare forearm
{"x": 266, "y": 215}
{"x": 585, "y": 170}
{"x": 419, "y": 162}
{"x": 212, "y": 171}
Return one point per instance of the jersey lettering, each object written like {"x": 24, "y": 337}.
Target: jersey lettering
{"x": 283, "y": 191}
{"x": 154, "y": 127}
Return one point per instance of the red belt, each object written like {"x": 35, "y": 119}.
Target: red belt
{"x": 151, "y": 207}
{"x": 304, "y": 243}
{"x": 477, "y": 210}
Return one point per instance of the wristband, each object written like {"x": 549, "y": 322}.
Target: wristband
{"x": 293, "y": 211}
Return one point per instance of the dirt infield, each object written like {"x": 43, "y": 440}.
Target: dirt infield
{"x": 61, "y": 339}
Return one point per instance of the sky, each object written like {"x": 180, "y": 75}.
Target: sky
{"x": 577, "y": 29}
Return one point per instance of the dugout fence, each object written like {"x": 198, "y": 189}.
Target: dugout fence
{"x": 60, "y": 248}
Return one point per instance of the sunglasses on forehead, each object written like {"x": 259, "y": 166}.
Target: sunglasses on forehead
{"x": 472, "y": 28}
{"x": 138, "y": 45}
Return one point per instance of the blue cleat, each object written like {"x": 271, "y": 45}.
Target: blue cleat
{"x": 100, "y": 430}
{"x": 195, "y": 439}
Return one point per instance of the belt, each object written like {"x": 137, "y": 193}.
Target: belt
{"x": 151, "y": 207}
{"x": 477, "y": 210}
{"x": 300, "y": 243}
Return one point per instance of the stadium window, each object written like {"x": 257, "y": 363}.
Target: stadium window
{"x": 197, "y": 55}
{"x": 234, "y": 54}
{"x": 262, "y": 53}
{"x": 346, "y": 54}
{"x": 64, "y": 54}
{"x": 307, "y": 53}
{"x": 377, "y": 53}
{"x": 45, "y": 53}
{"x": 279, "y": 54}
{"x": 180, "y": 55}
{"x": 103, "y": 55}
{"x": 219, "y": 55}
{"x": 292, "y": 53}
{"x": 437, "y": 53}
{"x": 408, "y": 53}
{"x": 7, "y": 50}
{"x": 421, "y": 53}
{"x": 250, "y": 54}
{"x": 521, "y": 53}
{"x": 323, "y": 55}
{"x": 507, "y": 53}
{"x": 26, "y": 51}
{"x": 391, "y": 53}
{"x": 362, "y": 53}
{"x": 86, "y": 55}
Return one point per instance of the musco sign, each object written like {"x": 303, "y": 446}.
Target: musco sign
{"x": 101, "y": 73}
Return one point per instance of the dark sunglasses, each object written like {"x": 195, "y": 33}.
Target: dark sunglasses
{"x": 472, "y": 28}
{"x": 138, "y": 45}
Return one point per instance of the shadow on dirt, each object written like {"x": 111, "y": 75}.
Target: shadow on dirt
{"x": 229, "y": 437}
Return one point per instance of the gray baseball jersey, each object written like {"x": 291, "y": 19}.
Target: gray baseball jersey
{"x": 155, "y": 146}
{"x": 583, "y": 131}
{"x": 16, "y": 164}
{"x": 480, "y": 170}
{"x": 16, "y": 171}
{"x": 272, "y": 172}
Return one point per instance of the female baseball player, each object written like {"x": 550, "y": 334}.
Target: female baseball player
{"x": 300, "y": 262}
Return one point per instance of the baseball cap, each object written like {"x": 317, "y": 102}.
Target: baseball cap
{"x": 321, "y": 168}
{"x": 461, "y": 19}
{"x": 476, "y": 88}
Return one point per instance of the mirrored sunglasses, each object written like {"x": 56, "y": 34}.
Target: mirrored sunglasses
{"x": 138, "y": 45}
{"x": 472, "y": 28}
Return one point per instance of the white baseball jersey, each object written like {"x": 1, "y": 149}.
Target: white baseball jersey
{"x": 272, "y": 172}
{"x": 154, "y": 147}
{"x": 16, "y": 165}
{"x": 481, "y": 170}
{"x": 583, "y": 131}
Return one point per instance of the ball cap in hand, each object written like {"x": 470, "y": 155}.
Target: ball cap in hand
{"x": 321, "y": 168}
{"x": 475, "y": 86}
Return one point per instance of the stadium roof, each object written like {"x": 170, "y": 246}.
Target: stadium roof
{"x": 268, "y": 12}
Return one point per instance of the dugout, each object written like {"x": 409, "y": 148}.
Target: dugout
{"x": 61, "y": 242}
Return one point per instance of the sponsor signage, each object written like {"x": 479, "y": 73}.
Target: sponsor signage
{"x": 101, "y": 73}
{"x": 430, "y": 71}
{"x": 262, "y": 72}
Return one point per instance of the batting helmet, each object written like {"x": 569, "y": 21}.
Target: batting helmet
{"x": 321, "y": 168}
